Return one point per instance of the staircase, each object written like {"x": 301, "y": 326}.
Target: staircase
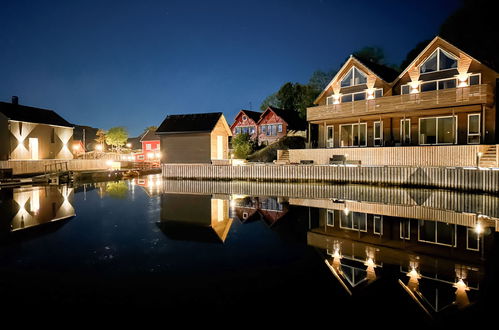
{"x": 489, "y": 158}
{"x": 282, "y": 157}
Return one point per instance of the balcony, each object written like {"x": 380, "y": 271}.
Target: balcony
{"x": 477, "y": 94}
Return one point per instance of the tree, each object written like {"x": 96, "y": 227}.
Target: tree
{"x": 100, "y": 138}
{"x": 150, "y": 128}
{"x": 320, "y": 79}
{"x": 296, "y": 97}
{"x": 243, "y": 145}
{"x": 372, "y": 54}
{"x": 270, "y": 101}
{"x": 413, "y": 53}
{"x": 117, "y": 137}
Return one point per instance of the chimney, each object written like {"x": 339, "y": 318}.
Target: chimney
{"x": 15, "y": 100}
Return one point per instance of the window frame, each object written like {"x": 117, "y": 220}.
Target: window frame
{"x": 479, "y": 134}
{"x": 353, "y": 69}
{"x": 326, "y": 136}
{"x": 438, "y": 50}
{"x": 401, "y": 226}
{"x": 380, "y": 138}
{"x": 437, "y": 143}
{"x": 402, "y": 125}
{"x": 436, "y": 234}
{"x": 468, "y": 229}
{"x": 380, "y": 217}
{"x": 328, "y": 212}
{"x": 353, "y": 224}
{"x": 354, "y": 145}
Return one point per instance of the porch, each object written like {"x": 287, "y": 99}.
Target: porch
{"x": 420, "y": 156}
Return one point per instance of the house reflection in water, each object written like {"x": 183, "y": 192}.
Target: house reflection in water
{"x": 438, "y": 254}
{"x": 269, "y": 209}
{"x": 26, "y": 207}
{"x": 193, "y": 217}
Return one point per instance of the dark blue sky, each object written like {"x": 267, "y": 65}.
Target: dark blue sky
{"x": 130, "y": 63}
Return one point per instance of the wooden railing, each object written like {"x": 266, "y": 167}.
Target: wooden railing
{"x": 477, "y": 94}
{"x": 471, "y": 179}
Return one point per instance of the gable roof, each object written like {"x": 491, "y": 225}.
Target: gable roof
{"x": 27, "y": 114}
{"x": 150, "y": 135}
{"x": 198, "y": 122}
{"x": 291, "y": 117}
{"x": 135, "y": 142}
{"x": 381, "y": 71}
{"x": 254, "y": 115}
{"x": 430, "y": 44}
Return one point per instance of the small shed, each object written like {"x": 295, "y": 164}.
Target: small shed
{"x": 194, "y": 138}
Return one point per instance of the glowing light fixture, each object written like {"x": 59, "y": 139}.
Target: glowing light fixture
{"x": 346, "y": 211}
{"x": 99, "y": 147}
{"x": 478, "y": 228}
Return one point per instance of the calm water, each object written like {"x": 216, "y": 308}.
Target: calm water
{"x": 339, "y": 250}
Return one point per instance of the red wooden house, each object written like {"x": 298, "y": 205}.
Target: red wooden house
{"x": 275, "y": 123}
{"x": 150, "y": 148}
{"x": 246, "y": 122}
{"x": 268, "y": 126}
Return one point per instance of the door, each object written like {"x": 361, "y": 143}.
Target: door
{"x": 33, "y": 148}
{"x": 220, "y": 147}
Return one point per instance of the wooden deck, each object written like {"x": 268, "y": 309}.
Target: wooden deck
{"x": 434, "y": 177}
{"x": 39, "y": 166}
{"x": 443, "y": 155}
{"x": 477, "y": 94}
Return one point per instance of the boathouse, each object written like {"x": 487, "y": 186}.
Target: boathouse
{"x": 29, "y": 133}
{"x": 194, "y": 138}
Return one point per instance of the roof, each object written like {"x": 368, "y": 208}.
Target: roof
{"x": 27, "y": 114}
{"x": 384, "y": 72}
{"x": 90, "y": 133}
{"x": 199, "y": 122}
{"x": 135, "y": 142}
{"x": 254, "y": 115}
{"x": 149, "y": 136}
{"x": 291, "y": 117}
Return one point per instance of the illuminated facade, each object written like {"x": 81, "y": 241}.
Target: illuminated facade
{"x": 28, "y": 133}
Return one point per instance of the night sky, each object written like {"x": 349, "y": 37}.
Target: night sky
{"x": 130, "y": 63}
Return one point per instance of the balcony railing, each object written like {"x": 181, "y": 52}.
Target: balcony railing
{"x": 477, "y": 94}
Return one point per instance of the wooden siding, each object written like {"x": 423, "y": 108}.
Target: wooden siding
{"x": 451, "y": 155}
{"x": 38, "y": 166}
{"x": 477, "y": 94}
{"x": 435, "y": 177}
{"x": 456, "y": 201}
{"x": 401, "y": 211}
{"x": 186, "y": 148}
{"x": 221, "y": 129}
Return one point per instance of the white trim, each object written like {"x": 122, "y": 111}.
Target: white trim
{"x": 353, "y": 145}
{"x": 479, "y": 134}
{"x": 438, "y": 50}
{"x": 353, "y": 224}
{"x": 327, "y": 218}
{"x": 326, "y": 140}
{"x": 380, "y": 217}
{"x": 479, "y": 78}
{"x": 402, "y": 137}
{"x": 29, "y": 122}
{"x": 436, "y": 232}
{"x": 401, "y": 225}
{"x": 380, "y": 138}
{"x": 467, "y": 240}
{"x": 436, "y": 128}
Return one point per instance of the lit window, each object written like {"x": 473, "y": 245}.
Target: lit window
{"x": 439, "y": 60}
{"x": 148, "y": 146}
{"x": 354, "y": 77}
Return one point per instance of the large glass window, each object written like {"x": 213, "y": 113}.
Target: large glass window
{"x": 437, "y": 232}
{"x": 353, "y": 221}
{"x": 353, "y": 77}
{"x": 429, "y": 86}
{"x": 405, "y": 131}
{"x": 359, "y": 96}
{"x": 378, "y": 133}
{"x": 346, "y": 98}
{"x": 448, "y": 83}
{"x": 351, "y": 136}
{"x": 474, "y": 128}
{"x": 441, "y": 130}
{"x": 439, "y": 60}
{"x": 330, "y": 137}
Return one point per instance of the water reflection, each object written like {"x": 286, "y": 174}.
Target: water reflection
{"x": 28, "y": 207}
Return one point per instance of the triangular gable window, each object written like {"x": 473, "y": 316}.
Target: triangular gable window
{"x": 353, "y": 77}
{"x": 439, "y": 60}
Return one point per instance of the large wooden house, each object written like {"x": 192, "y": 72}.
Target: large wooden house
{"x": 444, "y": 97}
{"x": 28, "y": 133}
{"x": 194, "y": 138}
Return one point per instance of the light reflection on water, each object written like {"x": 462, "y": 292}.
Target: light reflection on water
{"x": 432, "y": 245}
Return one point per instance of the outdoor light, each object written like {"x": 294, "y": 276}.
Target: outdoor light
{"x": 109, "y": 163}
{"x": 76, "y": 147}
{"x": 370, "y": 94}
{"x": 370, "y": 263}
{"x": 98, "y": 147}
{"x": 346, "y": 210}
{"x": 478, "y": 228}
{"x": 336, "y": 98}
{"x": 158, "y": 155}
{"x": 150, "y": 155}
{"x": 463, "y": 79}
{"x": 128, "y": 145}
